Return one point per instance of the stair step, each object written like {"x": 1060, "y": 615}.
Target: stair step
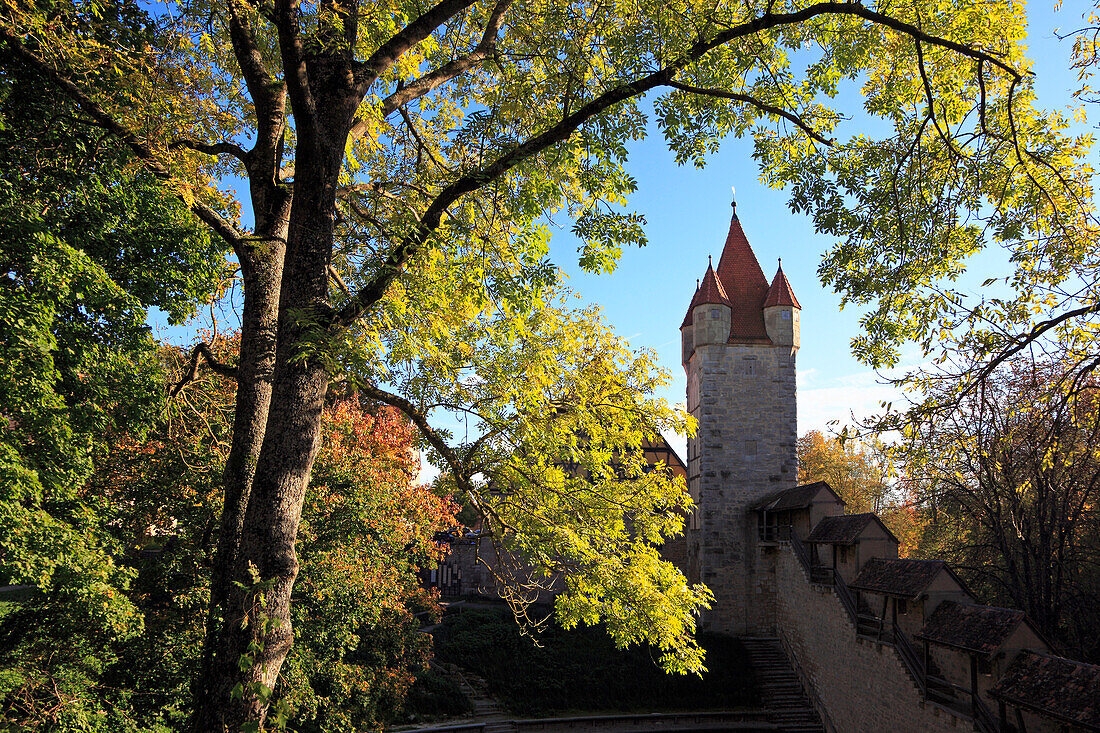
{"x": 781, "y": 689}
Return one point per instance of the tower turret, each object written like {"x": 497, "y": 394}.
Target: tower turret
{"x": 711, "y": 312}
{"x": 782, "y": 311}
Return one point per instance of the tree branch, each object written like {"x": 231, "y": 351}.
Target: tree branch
{"x": 268, "y": 93}
{"x": 407, "y": 38}
{"x": 338, "y": 280}
{"x": 202, "y": 349}
{"x": 222, "y": 148}
{"x": 458, "y": 466}
{"x": 420, "y": 141}
{"x": 453, "y": 68}
{"x": 1021, "y": 341}
{"x": 761, "y": 105}
{"x": 104, "y": 119}
{"x": 294, "y": 66}
{"x": 395, "y": 263}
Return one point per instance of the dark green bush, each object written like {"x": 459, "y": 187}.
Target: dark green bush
{"x": 435, "y": 695}
{"x": 581, "y": 670}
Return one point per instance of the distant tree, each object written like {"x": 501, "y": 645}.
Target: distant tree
{"x": 1011, "y": 485}
{"x": 861, "y": 473}
{"x": 864, "y": 475}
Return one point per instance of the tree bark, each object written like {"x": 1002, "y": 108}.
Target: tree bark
{"x": 255, "y": 632}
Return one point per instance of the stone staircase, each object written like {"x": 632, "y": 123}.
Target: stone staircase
{"x": 781, "y": 690}
{"x": 486, "y": 709}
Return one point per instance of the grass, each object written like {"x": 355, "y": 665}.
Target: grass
{"x": 581, "y": 671}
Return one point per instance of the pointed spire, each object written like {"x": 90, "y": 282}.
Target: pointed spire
{"x": 744, "y": 283}
{"x": 780, "y": 292}
{"x": 711, "y": 291}
{"x": 739, "y": 283}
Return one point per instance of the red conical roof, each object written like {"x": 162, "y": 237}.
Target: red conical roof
{"x": 780, "y": 293}
{"x": 744, "y": 283}
{"x": 740, "y": 284}
{"x": 711, "y": 291}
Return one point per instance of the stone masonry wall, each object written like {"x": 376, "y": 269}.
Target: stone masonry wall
{"x": 743, "y": 396}
{"x": 862, "y": 683}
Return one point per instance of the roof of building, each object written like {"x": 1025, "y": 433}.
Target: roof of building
{"x": 744, "y": 284}
{"x": 981, "y": 629}
{"x": 740, "y": 283}
{"x": 1055, "y": 687}
{"x": 904, "y": 578}
{"x": 780, "y": 292}
{"x": 660, "y": 446}
{"x": 711, "y": 291}
{"x": 844, "y": 529}
{"x": 800, "y": 497}
{"x": 691, "y": 306}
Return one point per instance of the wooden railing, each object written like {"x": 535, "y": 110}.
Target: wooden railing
{"x": 845, "y": 595}
{"x": 984, "y": 720}
{"x": 910, "y": 659}
{"x": 800, "y": 552}
{"x": 775, "y": 532}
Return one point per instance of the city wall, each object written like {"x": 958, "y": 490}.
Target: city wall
{"x": 862, "y": 683}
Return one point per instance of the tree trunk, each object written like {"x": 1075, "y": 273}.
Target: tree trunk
{"x": 261, "y": 274}
{"x": 255, "y": 633}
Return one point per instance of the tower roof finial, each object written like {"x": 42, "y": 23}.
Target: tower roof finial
{"x": 709, "y": 262}
{"x": 733, "y": 199}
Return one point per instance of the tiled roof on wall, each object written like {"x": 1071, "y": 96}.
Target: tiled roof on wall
{"x": 1054, "y": 687}
{"x": 981, "y": 629}
{"x": 800, "y": 497}
{"x": 841, "y": 530}
{"x": 903, "y": 578}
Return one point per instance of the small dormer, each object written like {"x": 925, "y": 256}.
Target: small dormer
{"x": 781, "y": 312}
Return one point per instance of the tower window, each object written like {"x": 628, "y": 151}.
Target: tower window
{"x": 786, "y": 315}
{"x": 715, "y": 314}
{"x": 748, "y": 365}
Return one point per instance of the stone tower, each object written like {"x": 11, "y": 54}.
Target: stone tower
{"x": 740, "y": 337}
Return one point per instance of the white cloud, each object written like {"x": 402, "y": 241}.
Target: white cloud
{"x": 846, "y": 398}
